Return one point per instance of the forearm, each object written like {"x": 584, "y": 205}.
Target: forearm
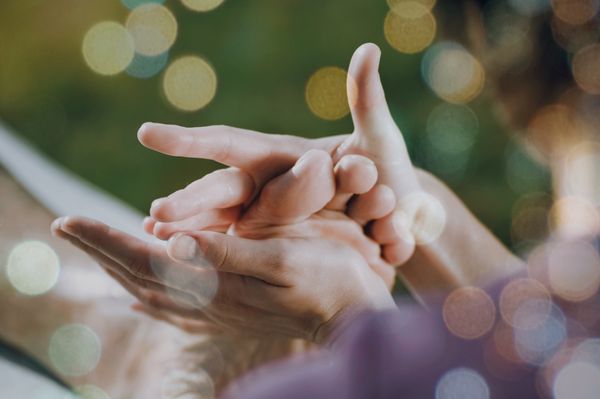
{"x": 466, "y": 253}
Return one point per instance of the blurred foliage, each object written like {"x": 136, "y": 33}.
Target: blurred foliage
{"x": 263, "y": 51}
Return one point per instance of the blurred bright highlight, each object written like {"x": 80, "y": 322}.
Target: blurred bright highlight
{"x": 108, "y": 48}
{"x": 33, "y": 268}
{"x": 190, "y": 83}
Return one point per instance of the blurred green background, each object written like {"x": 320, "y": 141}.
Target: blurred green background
{"x": 263, "y": 52}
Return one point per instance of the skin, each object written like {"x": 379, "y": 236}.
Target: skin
{"x": 429, "y": 266}
{"x": 255, "y": 159}
{"x": 283, "y": 282}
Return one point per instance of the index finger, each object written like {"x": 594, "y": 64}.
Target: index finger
{"x": 228, "y": 145}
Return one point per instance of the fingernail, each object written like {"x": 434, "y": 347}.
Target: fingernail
{"x": 55, "y": 226}
{"x": 300, "y": 166}
{"x": 182, "y": 247}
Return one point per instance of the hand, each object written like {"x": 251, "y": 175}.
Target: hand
{"x": 435, "y": 223}
{"x": 295, "y": 286}
{"x": 214, "y": 201}
{"x": 276, "y": 287}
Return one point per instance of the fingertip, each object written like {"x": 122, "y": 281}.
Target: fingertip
{"x": 162, "y": 210}
{"x": 182, "y": 247}
{"x": 144, "y": 132}
{"x": 355, "y": 174}
{"x": 312, "y": 159}
{"x": 56, "y": 226}
{"x": 399, "y": 253}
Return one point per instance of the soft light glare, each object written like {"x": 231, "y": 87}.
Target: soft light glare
{"x": 575, "y": 12}
{"x": 426, "y": 214}
{"x": 74, "y": 350}
{"x": 33, "y": 268}
{"x": 524, "y": 295}
{"x": 202, "y": 5}
{"x": 577, "y": 380}
{"x": 398, "y": 4}
{"x": 586, "y": 68}
{"x": 190, "y": 83}
{"x": 453, "y": 73}
{"x": 452, "y": 128}
{"x": 574, "y": 271}
{"x": 469, "y": 312}
{"x": 153, "y": 28}
{"x": 409, "y": 27}
{"x": 574, "y": 217}
{"x": 108, "y": 48}
{"x": 326, "y": 93}
{"x": 462, "y": 383}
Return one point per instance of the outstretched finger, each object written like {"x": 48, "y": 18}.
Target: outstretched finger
{"x": 221, "y": 189}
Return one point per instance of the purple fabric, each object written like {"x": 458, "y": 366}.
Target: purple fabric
{"x": 406, "y": 352}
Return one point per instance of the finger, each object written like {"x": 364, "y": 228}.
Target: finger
{"x": 295, "y": 195}
{"x": 144, "y": 290}
{"x": 188, "y": 325}
{"x": 148, "y": 224}
{"x": 261, "y": 259}
{"x": 228, "y": 145}
{"x": 376, "y": 134}
{"x": 214, "y": 220}
{"x": 138, "y": 258}
{"x": 354, "y": 174}
{"x": 398, "y": 253}
{"x": 223, "y": 188}
{"x": 390, "y": 228}
{"x": 375, "y": 204}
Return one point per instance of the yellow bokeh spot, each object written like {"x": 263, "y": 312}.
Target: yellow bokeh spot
{"x": 326, "y": 93}
{"x": 190, "y": 83}
{"x": 398, "y": 4}
{"x": 410, "y": 27}
{"x": 469, "y": 312}
{"x": 108, "y": 48}
{"x": 153, "y": 27}
{"x": 453, "y": 73}
{"x": 202, "y": 5}
{"x": 33, "y": 268}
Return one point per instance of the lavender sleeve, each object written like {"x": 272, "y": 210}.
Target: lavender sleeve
{"x": 415, "y": 353}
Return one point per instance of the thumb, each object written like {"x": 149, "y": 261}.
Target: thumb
{"x": 376, "y": 135}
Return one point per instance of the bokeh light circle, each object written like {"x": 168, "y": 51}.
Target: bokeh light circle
{"x": 577, "y": 380}
{"x": 409, "y": 27}
{"x": 398, "y": 4}
{"x": 582, "y": 169}
{"x": 522, "y": 296}
{"x": 190, "y": 83}
{"x": 462, "y": 383}
{"x": 452, "y": 128}
{"x": 427, "y": 216}
{"x": 530, "y": 7}
{"x": 90, "y": 392}
{"x": 326, "y": 93}
{"x": 538, "y": 345}
{"x": 452, "y": 72}
{"x": 108, "y": 48}
{"x": 144, "y": 67}
{"x": 469, "y": 312}
{"x": 202, "y": 5}
{"x": 574, "y": 270}
{"x": 153, "y": 28}
{"x": 132, "y": 4}
{"x": 586, "y": 67}
{"x": 575, "y": 12}
{"x": 74, "y": 350}
{"x": 33, "y": 268}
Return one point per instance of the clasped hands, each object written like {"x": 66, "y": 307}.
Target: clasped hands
{"x": 292, "y": 236}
